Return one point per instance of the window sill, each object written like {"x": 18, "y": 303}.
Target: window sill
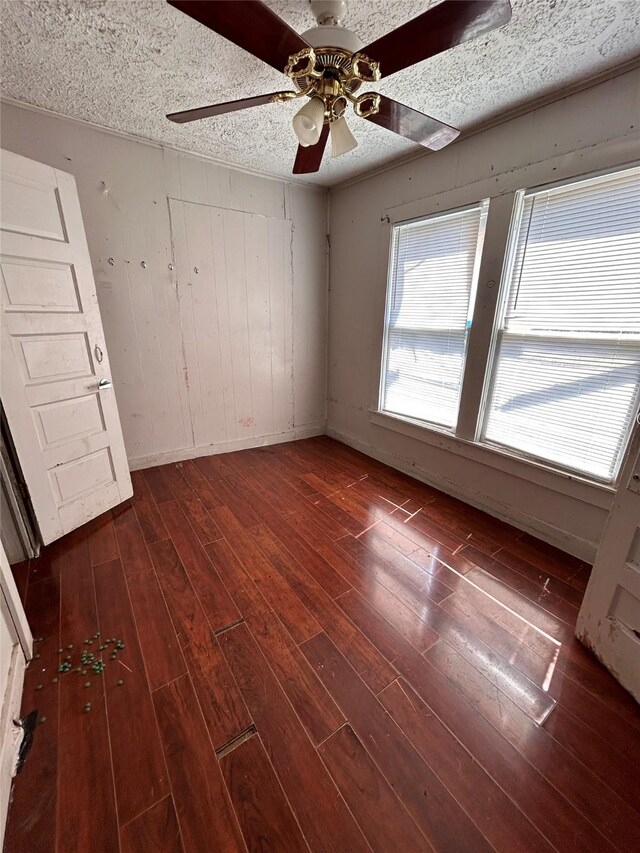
{"x": 592, "y": 491}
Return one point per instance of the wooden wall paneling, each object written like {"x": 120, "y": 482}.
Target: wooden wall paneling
{"x": 279, "y": 237}
{"x": 226, "y": 397}
{"x": 234, "y": 231}
{"x": 198, "y": 296}
{"x": 153, "y": 398}
{"x": 261, "y": 337}
{"x": 184, "y": 272}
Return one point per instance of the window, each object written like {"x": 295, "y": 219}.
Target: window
{"x": 562, "y": 374}
{"x": 566, "y": 373}
{"x": 432, "y": 277}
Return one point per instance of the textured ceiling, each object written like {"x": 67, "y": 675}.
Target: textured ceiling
{"x": 125, "y": 64}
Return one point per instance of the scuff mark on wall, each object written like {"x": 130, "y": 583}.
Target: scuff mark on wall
{"x": 246, "y": 422}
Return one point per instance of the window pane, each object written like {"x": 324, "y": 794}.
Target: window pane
{"x": 567, "y": 402}
{"x": 567, "y": 365}
{"x": 431, "y": 281}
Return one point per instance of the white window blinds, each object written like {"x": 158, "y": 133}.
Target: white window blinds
{"x": 432, "y": 276}
{"x": 566, "y": 373}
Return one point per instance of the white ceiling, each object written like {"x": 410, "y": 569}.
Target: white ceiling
{"x": 125, "y": 64}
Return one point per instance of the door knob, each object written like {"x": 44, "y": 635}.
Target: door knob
{"x": 104, "y": 384}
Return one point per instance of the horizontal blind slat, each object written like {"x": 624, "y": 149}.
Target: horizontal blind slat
{"x": 431, "y": 280}
{"x": 575, "y": 269}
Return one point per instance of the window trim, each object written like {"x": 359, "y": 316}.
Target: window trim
{"x": 497, "y": 333}
{"x": 483, "y": 205}
{"x": 501, "y": 196}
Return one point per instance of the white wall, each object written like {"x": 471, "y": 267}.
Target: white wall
{"x": 164, "y": 326}
{"x": 591, "y": 130}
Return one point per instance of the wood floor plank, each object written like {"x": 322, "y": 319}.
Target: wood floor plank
{"x": 102, "y": 540}
{"x": 146, "y": 510}
{"x": 139, "y": 774}
{"x": 315, "y": 708}
{"x": 597, "y": 803}
{"x": 365, "y": 658}
{"x": 158, "y": 484}
{"x": 501, "y": 822}
{"x": 224, "y": 710}
{"x": 123, "y": 513}
{"x": 133, "y": 549}
{"x": 217, "y": 603}
{"x": 85, "y": 773}
{"x": 389, "y": 624}
{"x": 281, "y": 597}
{"x": 430, "y": 804}
{"x": 265, "y": 816}
{"x": 535, "y": 591}
{"x": 193, "y": 474}
{"x": 228, "y": 495}
{"x": 284, "y": 529}
{"x": 565, "y": 669}
{"x": 322, "y": 814}
{"x": 447, "y": 695}
{"x": 544, "y": 580}
{"x": 155, "y": 830}
{"x": 162, "y": 656}
{"x": 205, "y": 815}
{"x": 584, "y": 742}
{"x": 546, "y": 807}
{"x": 192, "y": 507}
{"x": 549, "y": 559}
{"x": 400, "y": 575}
{"x": 385, "y": 822}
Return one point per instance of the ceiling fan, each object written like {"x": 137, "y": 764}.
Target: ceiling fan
{"x": 328, "y": 64}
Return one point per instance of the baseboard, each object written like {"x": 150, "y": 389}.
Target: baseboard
{"x": 183, "y": 453}
{"x": 581, "y": 548}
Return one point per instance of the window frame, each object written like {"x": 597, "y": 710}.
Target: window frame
{"x": 501, "y": 193}
{"x": 497, "y": 337}
{"x": 483, "y": 205}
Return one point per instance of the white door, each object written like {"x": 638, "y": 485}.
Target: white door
{"x": 609, "y": 619}
{"x": 56, "y": 387}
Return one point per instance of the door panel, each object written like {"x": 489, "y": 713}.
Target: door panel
{"x": 66, "y": 431}
{"x": 609, "y": 619}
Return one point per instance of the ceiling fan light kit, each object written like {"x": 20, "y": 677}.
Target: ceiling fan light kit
{"x": 342, "y": 140}
{"x": 328, "y": 64}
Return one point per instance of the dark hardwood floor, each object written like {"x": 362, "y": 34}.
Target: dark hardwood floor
{"x": 320, "y": 654}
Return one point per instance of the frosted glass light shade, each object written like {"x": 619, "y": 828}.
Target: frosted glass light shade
{"x": 342, "y": 140}
{"x": 307, "y": 122}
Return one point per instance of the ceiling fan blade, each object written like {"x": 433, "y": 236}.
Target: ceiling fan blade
{"x": 248, "y": 23}
{"x": 440, "y": 28}
{"x": 413, "y": 125}
{"x": 220, "y": 109}
{"x": 308, "y": 159}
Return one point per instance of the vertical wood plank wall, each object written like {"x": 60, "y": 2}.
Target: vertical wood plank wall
{"x": 231, "y": 356}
